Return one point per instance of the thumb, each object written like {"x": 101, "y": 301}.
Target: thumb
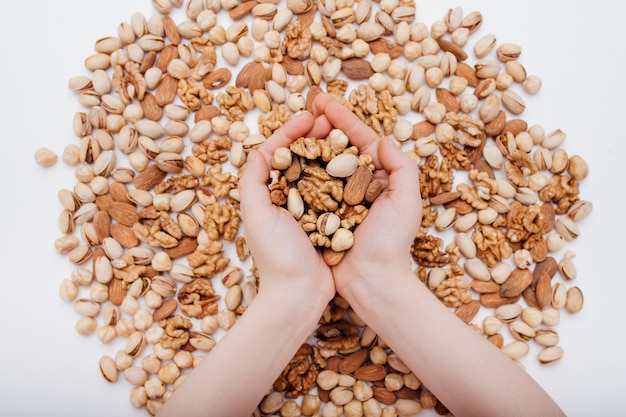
{"x": 403, "y": 172}
{"x": 253, "y": 189}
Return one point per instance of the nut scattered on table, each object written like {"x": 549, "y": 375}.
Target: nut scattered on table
{"x": 162, "y": 137}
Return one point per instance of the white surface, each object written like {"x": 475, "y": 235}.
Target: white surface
{"x": 48, "y": 370}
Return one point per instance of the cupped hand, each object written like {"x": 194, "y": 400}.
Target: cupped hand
{"x": 381, "y": 249}
{"x": 286, "y": 260}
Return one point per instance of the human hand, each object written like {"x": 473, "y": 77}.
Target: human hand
{"x": 286, "y": 260}
{"x": 378, "y": 261}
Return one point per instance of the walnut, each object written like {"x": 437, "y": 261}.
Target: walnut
{"x": 470, "y": 195}
{"x": 208, "y": 259}
{"x": 198, "y": 298}
{"x": 161, "y": 232}
{"x": 491, "y": 244}
{"x": 193, "y": 95}
{"x": 221, "y": 220}
{"x": 319, "y": 239}
{"x": 300, "y": 374}
{"x": 221, "y": 182}
{"x": 426, "y": 251}
{"x": 525, "y": 222}
{"x": 273, "y": 120}
{"x": 243, "y": 252}
{"x": 337, "y": 335}
{"x": 176, "y": 331}
{"x": 212, "y": 150}
{"x": 128, "y": 82}
{"x": 337, "y": 48}
{"x": 378, "y": 111}
{"x": 234, "y": 103}
{"x": 563, "y": 190}
{"x": 307, "y": 147}
{"x": 454, "y": 290}
{"x": 351, "y": 216}
{"x": 337, "y": 88}
{"x": 484, "y": 185}
{"x": 278, "y": 188}
{"x": 308, "y": 221}
{"x": 435, "y": 178}
{"x": 318, "y": 189}
{"x": 177, "y": 184}
{"x": 297, "y": 40}
{"x": 456, "y": 157}
{"x": 518, "y": 166}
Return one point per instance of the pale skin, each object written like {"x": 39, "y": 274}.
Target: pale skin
{"x": 463, "y": 370}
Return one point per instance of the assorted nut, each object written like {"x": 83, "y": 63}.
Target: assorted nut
{"x": 163, "y": 138}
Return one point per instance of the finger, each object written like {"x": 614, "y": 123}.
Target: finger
{"x": 360, "y": 135}
{"x": 295, "y": 128}
{"x": 403, "y": 174}
{"x": 253, "y": 185}
{"x": 321, "y": 128}
{"x": 320, "y": 102}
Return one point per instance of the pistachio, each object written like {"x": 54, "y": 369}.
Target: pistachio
{"x": 550, "y": 355}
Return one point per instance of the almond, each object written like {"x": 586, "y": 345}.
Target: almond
{"x": 406, "y": 393}
{"x": 167, "y": 54}
{"x": 453, "y": 48}
{"x": 353, "y": 361}
{"x": 370, "y": 373}
{"x": 539, "y": 250}
{"x": 217, "y": 78}
{"x": 497, "y": 125}
{"x": 150, "y": 107}
{"x": 374, "y": 190}
{"x": 356, "y": 186}
{"x": 207, "y": 113}
{"x": 468, "y": 311}
{"x": 123, "y": 213}
{"x": 494, "y": 299}
{"x": 449, "y": 101}
{"x": 171, "y": 31}
{"x": 253, "y": 76}
{"x": 543, "y": 291}
{"x": 461, "y": 206}
{"x": 166, "y": 91}
{"x": 149, "y": 178}
{"x": 443, "y": 198}
{"x": 388, "y": 47}
{"x": 383, "y": 395}
{"x": 496, "y": 339}
{"x": 119, "y": 192}
{"x": 517, "y": 282}
{"x": 357, "y": 69}
{"x": 124, "y": 235}
{"x": 292, "y": 66}
{"x": 548, "y": 266}
{"x": 467, "y": 72}
{"x": 423, "y": 129}
{"x": 484, "y": 287}
{"x": 117, "y": 291}
{"x": 186, "y": 246}
{"x": 165, "y": 310}
{"x": 102, "y": 224}
{"x": 516, "y": 126}
{"x": 242, "y": 9}
{"x": 314, "y": 90}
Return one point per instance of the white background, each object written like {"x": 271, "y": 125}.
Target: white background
{"x": 47, "y": 369}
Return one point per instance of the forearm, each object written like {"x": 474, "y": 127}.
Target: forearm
{"x": 233, "y": 378}
{"x": 468, "y": 374}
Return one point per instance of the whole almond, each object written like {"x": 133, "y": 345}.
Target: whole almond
{"x": 124, "y": 213}
{"x": 117, "y": 291}
{"x": 443, "y": 198}
{"x": 494, "y": 300}
{"x": 517, "y": 282}
{"x": 370, "y": 373}
{"x": 386, "y": 46}
{"x": 383, "y": 395}
{"x": 374, "y": 189}
{"x": 166, "y": 91}
{"x": 124, "y": 235}
{"x": 516, "y": 126}
{"x": 356, "y": 186}
{"x": 357, "y": 69}
{"x": 166, "y": 309}
{"x": 543, "y": 290}
{"x": 186, "y": 246}
{"x": 149, "y": 178}
{"x": 353, "y": 361}
{"x": 453, "y": 48}
{"x": 217, "y": 78}
{"x": 423, "y": 129}
{"x": 151, "y": 109}
{"x": 467, "y": 72}
{"x": 445, "y": 97}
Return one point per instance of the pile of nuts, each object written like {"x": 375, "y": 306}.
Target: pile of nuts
{"x": 327, "y": 186}
{"x": 151, "y": 226}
